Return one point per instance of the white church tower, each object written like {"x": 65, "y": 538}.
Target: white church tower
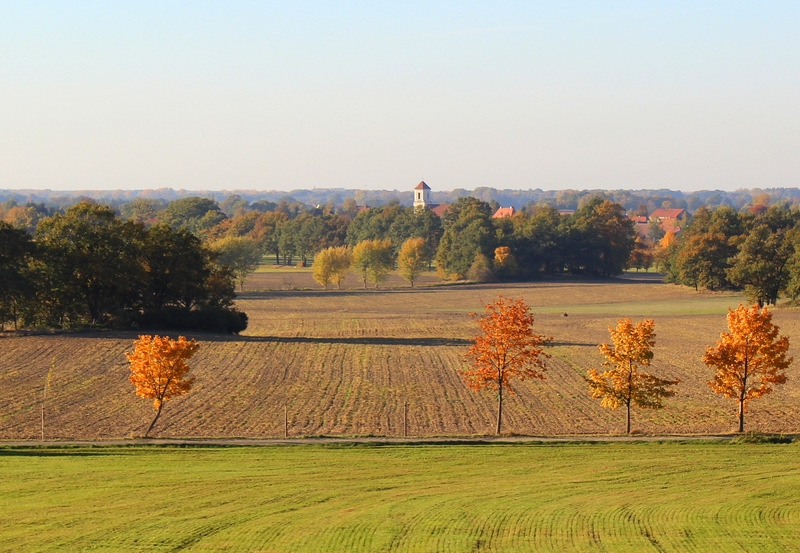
{"x": 422, "y": 196}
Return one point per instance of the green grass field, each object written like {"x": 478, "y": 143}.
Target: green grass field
{"x": 534, "y": 497}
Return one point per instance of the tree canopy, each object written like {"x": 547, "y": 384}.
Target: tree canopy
{"x": 624, "y": 383}
{"x": 749, "y": 359}
{"x": 158, "y": 367}
{"x": 506, "y": 349}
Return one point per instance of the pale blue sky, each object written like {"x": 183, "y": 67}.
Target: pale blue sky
{"x": 379, "y": 95}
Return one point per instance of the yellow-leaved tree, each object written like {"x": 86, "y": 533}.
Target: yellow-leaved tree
{"x": 412, "y": 259}
{"x": 159, "y": 369}
{"x": 331, "y": 265}
{"x": 623, "y": 383}
{"x": 506, "y": 349}
{"x": 372, "y": 260}
{"x": 749, "y": 358}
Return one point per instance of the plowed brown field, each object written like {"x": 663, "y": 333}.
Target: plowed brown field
{"x": 347, "y": 362}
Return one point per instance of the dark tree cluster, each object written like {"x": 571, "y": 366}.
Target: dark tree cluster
{"x": 596, "y": 240}
{"x": 89, "y": 267}
{"x": 728, "y": 250}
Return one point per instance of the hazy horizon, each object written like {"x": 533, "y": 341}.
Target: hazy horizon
{"x": 270, "y": 96}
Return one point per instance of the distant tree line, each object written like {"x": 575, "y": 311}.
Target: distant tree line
{"x": 466, "y": 242}
{"x": 89, "y": 267}
{"x": 724, "y": 249}
{"x": 110, "y": 279}
{"x": 631, "y": 200}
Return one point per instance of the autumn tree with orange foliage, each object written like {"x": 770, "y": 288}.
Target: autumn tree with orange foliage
{"x": 506, "y": 349}
{"x": 159, "y": 369}
{"x": 749, "y": 359}
{"x": 623, "y": 383}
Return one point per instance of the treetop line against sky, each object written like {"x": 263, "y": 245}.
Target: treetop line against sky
{"x": 686, "y": 95}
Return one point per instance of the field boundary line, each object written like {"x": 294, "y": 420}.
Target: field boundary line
{"x": 366, "y": 440}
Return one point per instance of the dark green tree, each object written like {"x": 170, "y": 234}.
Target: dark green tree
{"x": 177, "y": 268}
{"x": 706, "y": 247}
{"x": 537, "y": 241}
{"x": 90, "y": 258}
{"x": 762, "y": 264}
{"x": 373, "y": 224}
{"x": 16, "y": 281}
{"x": 193, "y": 213}
{"x": 600, "y": 239}
{"x": 468, "y": 233}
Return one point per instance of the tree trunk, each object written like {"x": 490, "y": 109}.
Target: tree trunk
{"x": 152, "y": 424}
{"x": 743, "y": 392}
{"x": 741, "y": 415}
{"x": 499, "y": 409}
{"x": 630, "y": 396}
{"x": 628, "y": 427}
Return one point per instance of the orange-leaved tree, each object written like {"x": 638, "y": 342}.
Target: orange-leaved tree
{"x": 749, "y": 359}
{"x": 506, "y": 349}
{"x": 623, "y": 383}
{"x": 159, "y": 369}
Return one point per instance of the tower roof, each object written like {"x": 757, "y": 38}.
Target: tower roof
{"x": 422, "y": 186}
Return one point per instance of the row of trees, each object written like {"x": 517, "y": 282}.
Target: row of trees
{"x": 748, "y": 360}
{"x": 371, "y": 260}
{"x": 725, "y": 249}
{"x": 88, "y": 266}
{"x": 595, "y": 240}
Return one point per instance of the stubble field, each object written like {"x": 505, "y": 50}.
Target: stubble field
{"x": 354, "y": 362}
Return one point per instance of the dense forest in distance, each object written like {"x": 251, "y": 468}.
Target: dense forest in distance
{"x": 520, "y": 199}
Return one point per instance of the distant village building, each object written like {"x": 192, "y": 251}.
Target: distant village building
{"x": 422, "y": 200}
{"x": 503, "y": 212}
{"x": 642, "y": 225}
{"x": 670, "y": 220}
{"x": 422, "y": 196}
{"x": 670, "y": 215}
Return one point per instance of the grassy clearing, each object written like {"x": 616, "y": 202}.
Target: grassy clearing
{"x": 637, "y": 497}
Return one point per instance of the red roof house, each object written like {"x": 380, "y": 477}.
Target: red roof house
{"x": 503, "y": 212}
{"x": 676, "y": 214}
{"x": 440, "y": 209}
